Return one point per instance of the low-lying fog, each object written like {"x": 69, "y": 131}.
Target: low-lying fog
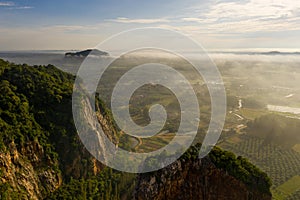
{"x": 272, "y": 78}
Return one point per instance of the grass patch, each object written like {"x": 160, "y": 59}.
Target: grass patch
{"x": 252, "y": 113}
{"x": 289, "y": 187}
{"x": 233, "y": 140}
{"x": 296, "y": 148}
{"x": 277, "y": 195}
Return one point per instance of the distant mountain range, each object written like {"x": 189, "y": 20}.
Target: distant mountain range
{"x": 255, "y": 52}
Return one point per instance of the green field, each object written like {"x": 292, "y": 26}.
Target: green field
{"x": 296, "y": 148}
{"x": 287, "y": 189}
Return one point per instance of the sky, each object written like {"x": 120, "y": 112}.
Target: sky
{"x": 216, "y": 24}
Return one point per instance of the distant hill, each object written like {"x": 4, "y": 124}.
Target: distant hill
{"x": 275, "y": 128}
{"x": 85, "y": 53}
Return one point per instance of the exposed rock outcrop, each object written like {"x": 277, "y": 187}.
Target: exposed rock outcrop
{"x": 39, "y": 145}
{"x": 194, "y": 179}
{"x": 29, "y": 171}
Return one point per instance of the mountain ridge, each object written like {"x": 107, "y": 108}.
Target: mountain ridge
{"x": 41, "y": 155}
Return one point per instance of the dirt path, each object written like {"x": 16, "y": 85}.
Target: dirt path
{"x": 139, "y": 144}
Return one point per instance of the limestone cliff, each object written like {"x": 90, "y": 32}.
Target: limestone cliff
{"x": 198, "y": 179}
{"x": 28, "y": 173}
{"x": 39, "y": 145}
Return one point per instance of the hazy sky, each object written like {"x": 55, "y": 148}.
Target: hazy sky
{"x": 216, "y": 24}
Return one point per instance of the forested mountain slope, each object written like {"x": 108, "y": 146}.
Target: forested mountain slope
{"x": 41, "y": 156}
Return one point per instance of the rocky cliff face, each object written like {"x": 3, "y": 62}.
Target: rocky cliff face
{"x": 31, "y": 174}
{"x": 39, "y": 145}
{"x": 28, "y": 172}
{"x": 194, "y": 179}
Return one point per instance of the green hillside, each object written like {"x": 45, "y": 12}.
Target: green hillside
{"x": 41, "y": 156}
